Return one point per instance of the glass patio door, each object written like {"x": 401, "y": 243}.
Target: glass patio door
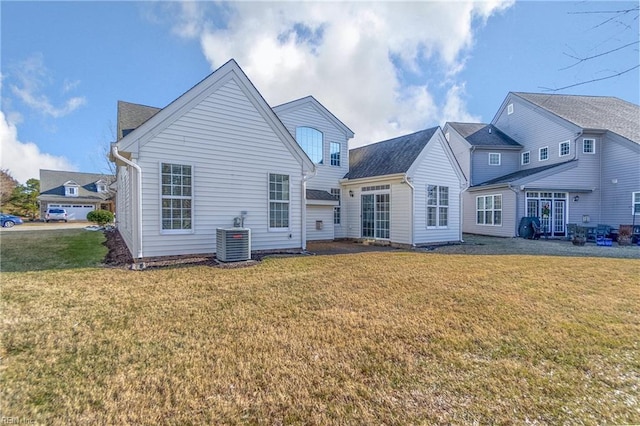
{"x": 376, "y": 215}
{"x": 558, "y": 217}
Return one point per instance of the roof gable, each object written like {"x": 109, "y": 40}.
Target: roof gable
{"x": 131, "y": 116}
{"x": 481, "y": 134}
{"x": 180, "y": 106}
{"x": 388, "y": 157}
{"x": 313, "y": 102}
{"x": 590, "y": 112}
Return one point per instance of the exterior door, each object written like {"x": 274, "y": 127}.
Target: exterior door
{"x": 558, "y": 217}
{"x": 376, "y": 215}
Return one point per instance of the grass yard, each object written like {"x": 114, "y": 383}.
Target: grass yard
{"x": 374, "y": 338}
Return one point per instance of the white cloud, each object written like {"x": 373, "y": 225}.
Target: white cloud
{"x": 384, "y": 68}
{"x": 24, "y": 159}
{"x": 32, "y": 77}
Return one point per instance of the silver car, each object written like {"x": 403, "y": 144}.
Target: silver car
{"x": 55, "y": 214}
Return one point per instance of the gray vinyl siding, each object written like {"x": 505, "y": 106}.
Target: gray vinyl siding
{"x": 434, "y": 167}
{"x": 482, "y": 171}
{"x": 535, "y": 128}
{"x": 327, "y": 176}
{"x": 125, "y": 197}
{"x": 461, "y": 150}
{"x": 232, "y": 149}
{"x": 510, "y": 214}
{"x": 620, "y": 178}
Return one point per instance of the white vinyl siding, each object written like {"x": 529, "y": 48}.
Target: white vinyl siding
{"x": 494, "y": 158}
{"x": 176, "y": 194}
{"x": 489, "y": 210}
{"x": 588, "y": 146}
{"x": 526, "y": 158}
{"x": 565, "y": 148}
{"x": 278, "y": 202}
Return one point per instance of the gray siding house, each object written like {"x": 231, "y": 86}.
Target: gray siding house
{"x": 562, "y": 158}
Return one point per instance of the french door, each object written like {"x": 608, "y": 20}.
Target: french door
{"x": 376, "y": 215}
{"x": 551, "y": 208}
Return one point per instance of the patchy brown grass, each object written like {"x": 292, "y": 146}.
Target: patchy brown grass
{"x": 376, "y": 338}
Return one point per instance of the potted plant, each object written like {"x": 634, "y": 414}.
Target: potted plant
{"x": 580, "y": 236}
{"x": 625, "y": 233}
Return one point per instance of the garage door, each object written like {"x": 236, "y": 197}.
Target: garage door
{"x": 75, "y": 211}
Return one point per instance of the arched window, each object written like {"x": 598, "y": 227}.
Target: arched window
{"x": 310, "y": 140}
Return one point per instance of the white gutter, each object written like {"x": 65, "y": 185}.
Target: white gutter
{"x": 413, "y": 203}
{"x": 114, "y": 151}
{"x": 463, "y": 188}
{"x": 303, "y": 230}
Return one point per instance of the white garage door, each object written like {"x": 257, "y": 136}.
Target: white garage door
{"x": 75, "y": 211}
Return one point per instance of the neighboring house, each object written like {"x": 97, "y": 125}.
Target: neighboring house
{"x": 77, "y": 193}
{"x": 215, "y": 153}
{"x": 562, "y": 158}
{"x": 324, "y": 139}
{"x": 405, "y": 190}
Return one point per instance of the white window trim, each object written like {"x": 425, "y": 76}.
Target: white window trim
{"x": 193, "y": 214}
{"x": 560, "y": 154}
{"x": 269, "y": 200}
{"x": 499, "y": 158}
{"x": 522, "y": 158}
{"x": 493, "y": 209}
{"x": 593, "y": 144}
{"x": 510, "y": 109}
{"x": 540, "y": 153}
{"x": 339, "y": 154}
{"x": 337, "y": 209}
{"x": 437, "y": 206}
{"x": 635, "y": 199}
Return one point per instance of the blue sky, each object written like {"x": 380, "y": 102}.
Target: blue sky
{"x": 383, "y": 68}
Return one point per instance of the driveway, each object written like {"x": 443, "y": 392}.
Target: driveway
{"x": 43, "y": 226}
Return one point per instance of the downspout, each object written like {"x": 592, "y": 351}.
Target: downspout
{"x": 413, "y": 212}
{"x": 303, "y": 230}
{"x": 114, "y": 151}
{"x": 463, "y": 188}
{"x": 517, "y": 192}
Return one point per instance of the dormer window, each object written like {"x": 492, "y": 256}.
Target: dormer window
{"x": 101, "y": 186}
{"x": 71, "y": 189}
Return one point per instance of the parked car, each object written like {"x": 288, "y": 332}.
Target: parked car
{"x": 8, "y": 220}
{"x": 55, "y": 214}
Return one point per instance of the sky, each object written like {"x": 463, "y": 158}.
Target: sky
{"x": 383, "y": 68}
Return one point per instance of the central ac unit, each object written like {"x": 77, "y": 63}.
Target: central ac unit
{"x": 233, "y": 244}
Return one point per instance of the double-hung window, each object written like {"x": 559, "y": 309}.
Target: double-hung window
{"x": 543, "y": 153}
{"x": 489, "y": 210}
{"x": 589, "y": 146}
{"x": 278, "y": 201}
{"x": 336, "y": 210}
{"x": 177, "y": 197}
{"x": 335, "y": 153}
{"x": 437, "y": 206}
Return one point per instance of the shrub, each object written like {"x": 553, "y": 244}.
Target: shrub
{"x": 101, "y": 217}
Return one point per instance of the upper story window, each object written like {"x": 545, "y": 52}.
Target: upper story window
{"x": 543, "y": 154}
{"x": 589, "y": 146}
{"x": 101, "y": 186}
{"x": 526, "y": 158}
{"x": 176, "y": 197}
{"x": 335, "y": 154}
{"x": 310, "y": 140}
{"x": 509, "y": 109}
{"x": 494, "y": 158}
{"x": 565, "y": 148}
{"x": 70, "y": 189}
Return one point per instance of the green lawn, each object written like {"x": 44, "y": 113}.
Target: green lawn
{"x": 22, "y": 251}
{"x": 375, "y": 338}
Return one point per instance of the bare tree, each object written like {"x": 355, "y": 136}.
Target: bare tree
{"x": 622, "y": 24}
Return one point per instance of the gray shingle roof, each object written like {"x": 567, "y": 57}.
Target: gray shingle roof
{"x": 592, "y": 112}
{"x": 512, "y": 177}
{"x": 388, "y": 157}
{"x": 131, "y": 116}
{"x": 52, "y": 184}
{"x": 318, "y": 194}
{"x": 481, "y": 134}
